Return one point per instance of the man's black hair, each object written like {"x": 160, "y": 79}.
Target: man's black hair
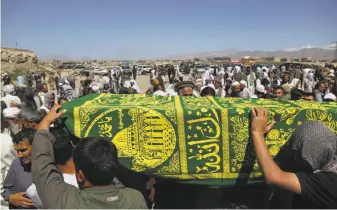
{"x": 182, "y": 85}
{"x": 297, "y": 94}
{"x": 97, "y": 158}
{"x": 123, "y": 90}
{"x": 207, "y": 91}
{"x": 268, "y": 96}
{"x": 329, "y": 100}
{"x": 156, "y": 87}
{"x": 279, "y": 88}
{"x": 310, "y": 94}
{"x": 61, "y": 99}
{"x": 31, "y": 114}
{"x": 63, "y": 148}
{"x": 26, "y": 134}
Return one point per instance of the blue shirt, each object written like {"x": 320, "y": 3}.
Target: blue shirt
{"x": 20, "y": 80}
{"x": 17, "y": 180}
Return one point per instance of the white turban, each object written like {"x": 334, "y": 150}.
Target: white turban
{"x": 95, "y": 88}
{"x": 127, "y": 84}
{"x": 261, "y": 88}
{"x": 11, "y": 112}
{"x": 242, "y": 82}
{"x": 15, "y": 100}
{"x": 160, "y": 93}
{"x": 235, "y": 84}
{"x": 171, "y": 92}
{"x": 330, "y": 96}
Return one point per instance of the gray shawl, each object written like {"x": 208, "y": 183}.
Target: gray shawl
{"x": 317, "y": 145}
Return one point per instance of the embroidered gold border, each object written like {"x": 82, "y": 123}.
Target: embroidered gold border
{"x": 225, "y": 140}
{"x": 77, "y": 122}
{"x": 181, "y": 138}
{"x": 212, "y": 176}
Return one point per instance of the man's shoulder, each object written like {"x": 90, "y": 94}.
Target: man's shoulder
{"x": 133, "y": 195}
{"x": 16, "y": 161}
{"x": 130, "y": 191}
{"x": 327, "y": 176}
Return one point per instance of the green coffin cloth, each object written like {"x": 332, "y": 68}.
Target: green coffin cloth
{"x": 201, "y": 140}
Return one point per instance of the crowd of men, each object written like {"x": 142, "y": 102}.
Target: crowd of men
{"x": 44, "y": 166}
{"x": 292, "y": 83}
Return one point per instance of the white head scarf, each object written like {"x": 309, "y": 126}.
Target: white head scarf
{"x": 265, "y": 75}
{"x": 127, "y": 84}
{"x": 258, "y": 70}
{"x": 8, "y": 89}
{"x": 295, "y": 81}
{"x": 311, "y": 76}
{"x": 222, "y": 71}
{"x": 237, "y": 69}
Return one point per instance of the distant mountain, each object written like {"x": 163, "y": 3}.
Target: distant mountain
{"x": 55, "y": 57}
{"x": 84, "y": 58}
{"x": 64, "y": 58}
{"x": 325, "y": 53}
{"x": 314, "y": 53}
{"x": 203, "y": 55}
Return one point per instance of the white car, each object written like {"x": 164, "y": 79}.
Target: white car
{"x": 200, "y": 68}
{"x": 100, "y": 71}
{"x": 144, "y": 69}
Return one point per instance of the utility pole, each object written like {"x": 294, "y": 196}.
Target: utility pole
{"x": 16, "y": 45}
{"x": 335, "y": 50}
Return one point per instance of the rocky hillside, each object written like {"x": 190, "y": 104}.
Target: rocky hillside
{"x": 17, "y": 56}
{"x": 17, "y": 62}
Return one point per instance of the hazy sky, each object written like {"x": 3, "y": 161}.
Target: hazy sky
{"x": 141, "y": 29}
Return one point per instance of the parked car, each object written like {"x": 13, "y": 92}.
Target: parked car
{"x": 200, "y": 68}
{"x": 144, "y": 69}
